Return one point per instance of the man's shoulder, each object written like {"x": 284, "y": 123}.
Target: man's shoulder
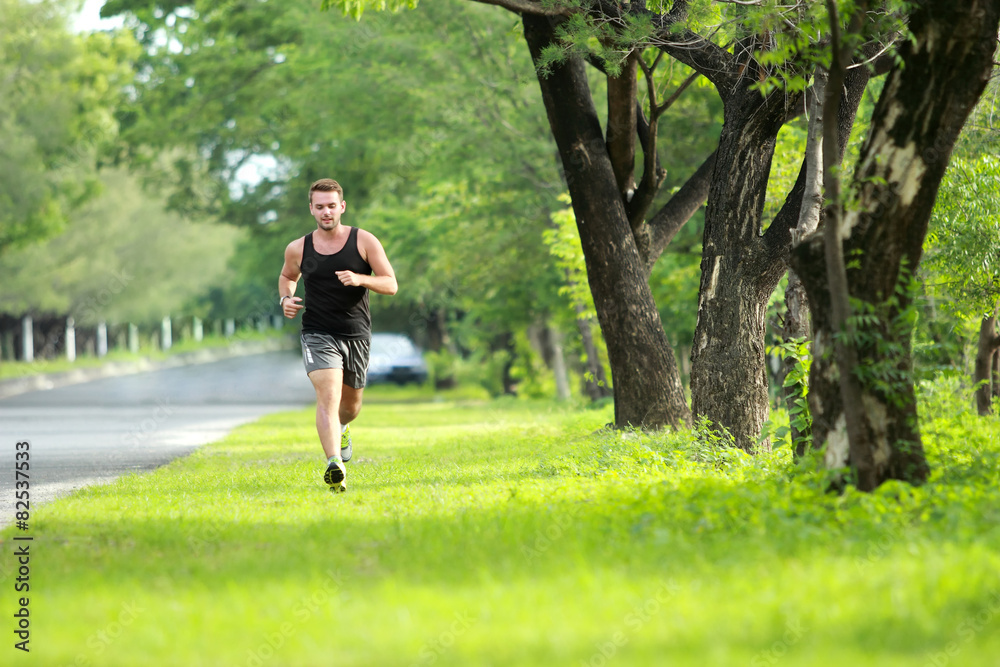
{"x": 297, "y": 244}
{"x": 365, "y": 235}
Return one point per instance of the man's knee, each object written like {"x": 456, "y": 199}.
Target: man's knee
{"x": 350, "y": 410}
{"x": 326, "y": 395}
{"x": 350, "y": 405}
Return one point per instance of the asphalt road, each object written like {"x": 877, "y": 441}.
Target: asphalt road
{"x": 93, "y": 432}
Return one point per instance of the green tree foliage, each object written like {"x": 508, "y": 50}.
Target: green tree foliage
{"x": 356, "y": 8}
{"x": 458, "y": 184}
{"x": 124, "y": 258}
{"x": 963, "y": 246}
{"x": 961, "y": 268}
{"x": 564, "y": 245}
{"x": 432, "y": 121}
{"x": 58, "y": 96}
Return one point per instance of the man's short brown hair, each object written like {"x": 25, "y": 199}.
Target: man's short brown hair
{"x": 326, "y": 185}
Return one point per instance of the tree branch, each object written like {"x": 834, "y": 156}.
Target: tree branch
{"x": 621, "y": 126}
{"x": 812, "y": 198}
{"x": 677, "y": 93}
{"x": 669, "y": 220}
{"x": 778, "y": 236}
{"x": 700, "y": 54}
{"x": 527, "y": 7}
{"x": 646, "y": 192}
{"x": 597, "y": 63}
{"x": 652, "y": 173}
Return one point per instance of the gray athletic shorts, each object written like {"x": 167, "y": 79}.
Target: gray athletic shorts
{"x": 321, "y": 350}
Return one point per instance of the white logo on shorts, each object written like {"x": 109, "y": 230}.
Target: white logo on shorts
{"x": 309, "y": 355}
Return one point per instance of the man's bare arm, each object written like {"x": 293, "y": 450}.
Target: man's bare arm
{"x": 384, "y": 280}
{"x": 288, "y": 280}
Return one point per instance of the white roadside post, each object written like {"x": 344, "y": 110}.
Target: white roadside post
{"x": 166, "y": 338}
{"x": 133, "y": 338}
{"x": 70, "y": 339}
{"x": 102, "y": 339}
{"x": 27, "y": 339}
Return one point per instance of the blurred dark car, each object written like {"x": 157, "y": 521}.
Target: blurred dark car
{"x": 394, "y": 358}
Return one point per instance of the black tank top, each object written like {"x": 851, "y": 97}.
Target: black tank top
{"x": 332, "y": 307}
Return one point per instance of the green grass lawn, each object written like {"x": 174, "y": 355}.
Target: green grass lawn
{"x": 485, "y": 533}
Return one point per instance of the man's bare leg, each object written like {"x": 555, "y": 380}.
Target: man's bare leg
{"x": 350, "y": 403}
{"x": 350, "y": 406}
{"x": 328, "y": 383}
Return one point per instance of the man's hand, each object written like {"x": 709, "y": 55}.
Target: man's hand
{"x": 291, "y": 306}
{"x": 350, "y": 278}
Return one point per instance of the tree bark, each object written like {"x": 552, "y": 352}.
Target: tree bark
{"x": 647, "y": 383}
{"x": 861, "y": 445}
{"x": 916, "y": 122}
{"x": 996, "y": 374}
{"x": 728, "y": 377}
{"x": 621, "y": 132}
{"x": 660, "y": 230}
{"x": 796, "y": 301}
{"x": 596, "y": 382}
{"x": 812, "y": 198}
{"x": 987, "y": 351}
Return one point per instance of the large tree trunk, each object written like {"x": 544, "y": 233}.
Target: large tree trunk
{"x": 987, "y": 351}
{"x": 796, "y": 300}
{"x": 728, "y": 378}
{"x": 918, "y": 117}
{"x": 740, "y": 267}
{"x": 647, "y": 384}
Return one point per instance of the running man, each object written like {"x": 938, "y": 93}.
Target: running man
{"x": 337, "y": 264}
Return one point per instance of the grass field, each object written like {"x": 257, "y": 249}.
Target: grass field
{"x": 510, "y": 533}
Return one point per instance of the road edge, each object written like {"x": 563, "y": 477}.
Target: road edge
{"x": 237, "y": 348}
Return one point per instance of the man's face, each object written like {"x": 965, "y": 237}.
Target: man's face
{"x": 326, "y": 207}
